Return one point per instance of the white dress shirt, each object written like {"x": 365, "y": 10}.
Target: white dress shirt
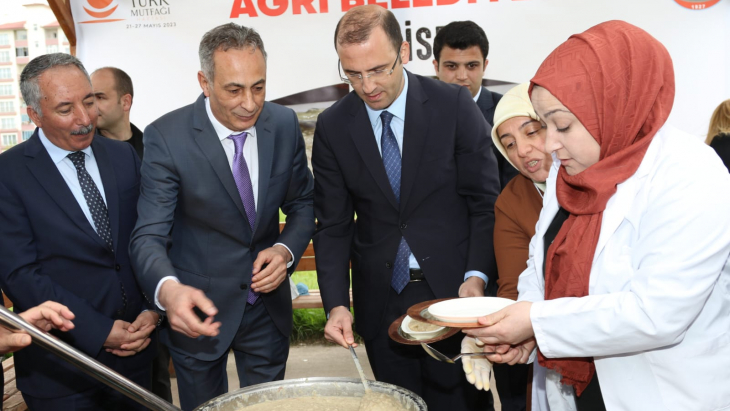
{"x": 250, "y": 155}
{"x": 68, "y": 171}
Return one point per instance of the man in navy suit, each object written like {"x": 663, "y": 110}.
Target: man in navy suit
{"x": 67, "y": 209}
{"x": 411, "y": 157}
{"x": 214, "y": 176}
{"x": 460, "y": 52}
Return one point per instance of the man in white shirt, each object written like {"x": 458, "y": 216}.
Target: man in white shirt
{"x": 207, "y": 241}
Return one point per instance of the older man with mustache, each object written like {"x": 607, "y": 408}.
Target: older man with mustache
{"x": 67, "y": 207}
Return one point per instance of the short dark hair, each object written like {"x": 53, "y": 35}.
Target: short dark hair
{"x": 122, "y": 81}
{"x": 460, "y": 35}
{"x": 357, "y": 24}
{"x": 225, "y": 37}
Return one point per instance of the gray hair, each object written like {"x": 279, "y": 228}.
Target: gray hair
{"x": 29, "y": 88}
{"x": 224, "y": 37}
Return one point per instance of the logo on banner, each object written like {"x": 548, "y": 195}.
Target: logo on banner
{"x": 100, "y": 10}
{"x": 697, "y": 4}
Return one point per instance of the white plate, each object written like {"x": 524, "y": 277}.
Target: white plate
{"x": 418, "y": 335}
{"x": 467, "y": 310}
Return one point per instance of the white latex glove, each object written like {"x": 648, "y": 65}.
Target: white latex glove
{"x": 477, "y": 369}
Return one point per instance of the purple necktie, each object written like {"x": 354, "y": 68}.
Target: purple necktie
{"x": 245, "y": 190}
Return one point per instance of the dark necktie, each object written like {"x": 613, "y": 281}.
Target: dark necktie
{"x": 392, "y": 163}
{"x": 96, "y": 204}
{"x": 245, "y": 190}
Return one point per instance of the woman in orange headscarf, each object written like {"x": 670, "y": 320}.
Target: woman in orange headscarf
{"x": 626, "y": 297}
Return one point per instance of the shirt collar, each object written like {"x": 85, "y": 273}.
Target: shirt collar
{"x": 57, "y": 153}
{"x": 479, "y": 93}
{"x": 222, "y": 131}
{"x": 397, "y": 108}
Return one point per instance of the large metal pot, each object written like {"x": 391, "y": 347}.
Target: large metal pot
{"x": 233, "y": 401}
{"x": 307, "y": 387}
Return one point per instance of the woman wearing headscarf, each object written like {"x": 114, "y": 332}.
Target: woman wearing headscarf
{"x": 627, "y": 292}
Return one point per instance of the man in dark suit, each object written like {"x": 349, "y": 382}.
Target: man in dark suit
{"x": 214, "y": 176}
{"x": 460, "y": 52}
{"x": 114, "y": 94}
{"x": 411, "y": 157}
{"x": 67, "y": 208}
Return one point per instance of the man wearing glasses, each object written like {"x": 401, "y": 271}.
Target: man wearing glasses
{"x": 411, "y": 158}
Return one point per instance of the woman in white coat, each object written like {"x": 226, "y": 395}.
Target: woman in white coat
{"x": 628, "y": 307}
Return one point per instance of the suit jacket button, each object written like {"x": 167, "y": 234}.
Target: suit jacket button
{"x": 118, "y": 267}
{"x": 403, "y": 226}
{"x": 388, "y": 265}
{"x": 244, "y": 286}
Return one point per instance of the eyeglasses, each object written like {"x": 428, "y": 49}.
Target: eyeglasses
{"x": 356, "y": 78}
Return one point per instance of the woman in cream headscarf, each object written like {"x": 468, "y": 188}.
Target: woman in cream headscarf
{"x": 520, "y": 137}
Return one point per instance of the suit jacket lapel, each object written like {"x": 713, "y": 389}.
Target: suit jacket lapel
{"x": 265, "y": 138}
{"x": 111, "y": 190}
{"x": 210, "y": 145}
{"x": 414, "y": 137}
{"x": 362, "y": 135}
{"x": 45, "y": 171}
{"x": 485, "y": 101}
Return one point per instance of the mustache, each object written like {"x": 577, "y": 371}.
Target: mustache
{"x": 83, "y": 130}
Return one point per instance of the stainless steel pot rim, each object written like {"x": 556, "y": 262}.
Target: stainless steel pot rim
{"x": 303, "y": 383}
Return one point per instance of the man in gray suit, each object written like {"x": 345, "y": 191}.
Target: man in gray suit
{"x": 207, "y": 241}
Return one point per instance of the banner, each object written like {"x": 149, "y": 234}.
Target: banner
{"x": 156, "y": 42}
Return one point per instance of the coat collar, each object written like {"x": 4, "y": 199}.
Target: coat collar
{"x": 46, "y": 173}
{"x": 209, "y": 143}
{"x": 414, "y": 132}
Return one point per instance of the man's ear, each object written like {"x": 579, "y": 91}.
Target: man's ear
{"x": 486, "y": 61}
{"x": 35, "y": 117}
{"x": 436, "y": 67}
{"x": 204, "y": 84}
{"x": 126, "y": 102}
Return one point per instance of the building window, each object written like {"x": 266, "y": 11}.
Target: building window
{"x": 7, "y": 123}
{"x": 21, "y": 35}
{"x": 21, "y": 51}
{"x": 5, "y": 73}
{"x": 27, "y": 135}
{"x": 6, "y": 90}
{"x": 67, "y": 50}
{"x": 24, "y": 119}
{"x": 53, "y": 48}
{"x": 4, "y": 39}
{"x": 36, "y": 44}
{"x": 51, "y": 33}
{"x": 4, "y": 56}
{"x": 35, "y": 27}
{"x": 7, "y": 106}
{"x": 10, "y": 139}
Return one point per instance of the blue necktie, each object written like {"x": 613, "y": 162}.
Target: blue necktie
{"x": 392, "y": 163}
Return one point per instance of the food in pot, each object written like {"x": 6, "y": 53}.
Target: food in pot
{"x": 370, "y": 402}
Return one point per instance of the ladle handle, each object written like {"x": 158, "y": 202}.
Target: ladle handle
{"x": 85, "y": 363}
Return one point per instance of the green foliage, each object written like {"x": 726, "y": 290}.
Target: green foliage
{"x": 308, "y": 325}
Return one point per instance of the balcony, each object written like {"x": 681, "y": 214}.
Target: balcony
{"x": 21, "y": 43}
{"x": 22, "y": 60}
{"x": 51, "y": 42}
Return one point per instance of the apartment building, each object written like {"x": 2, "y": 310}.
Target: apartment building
{"x": 32, "y": 31}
